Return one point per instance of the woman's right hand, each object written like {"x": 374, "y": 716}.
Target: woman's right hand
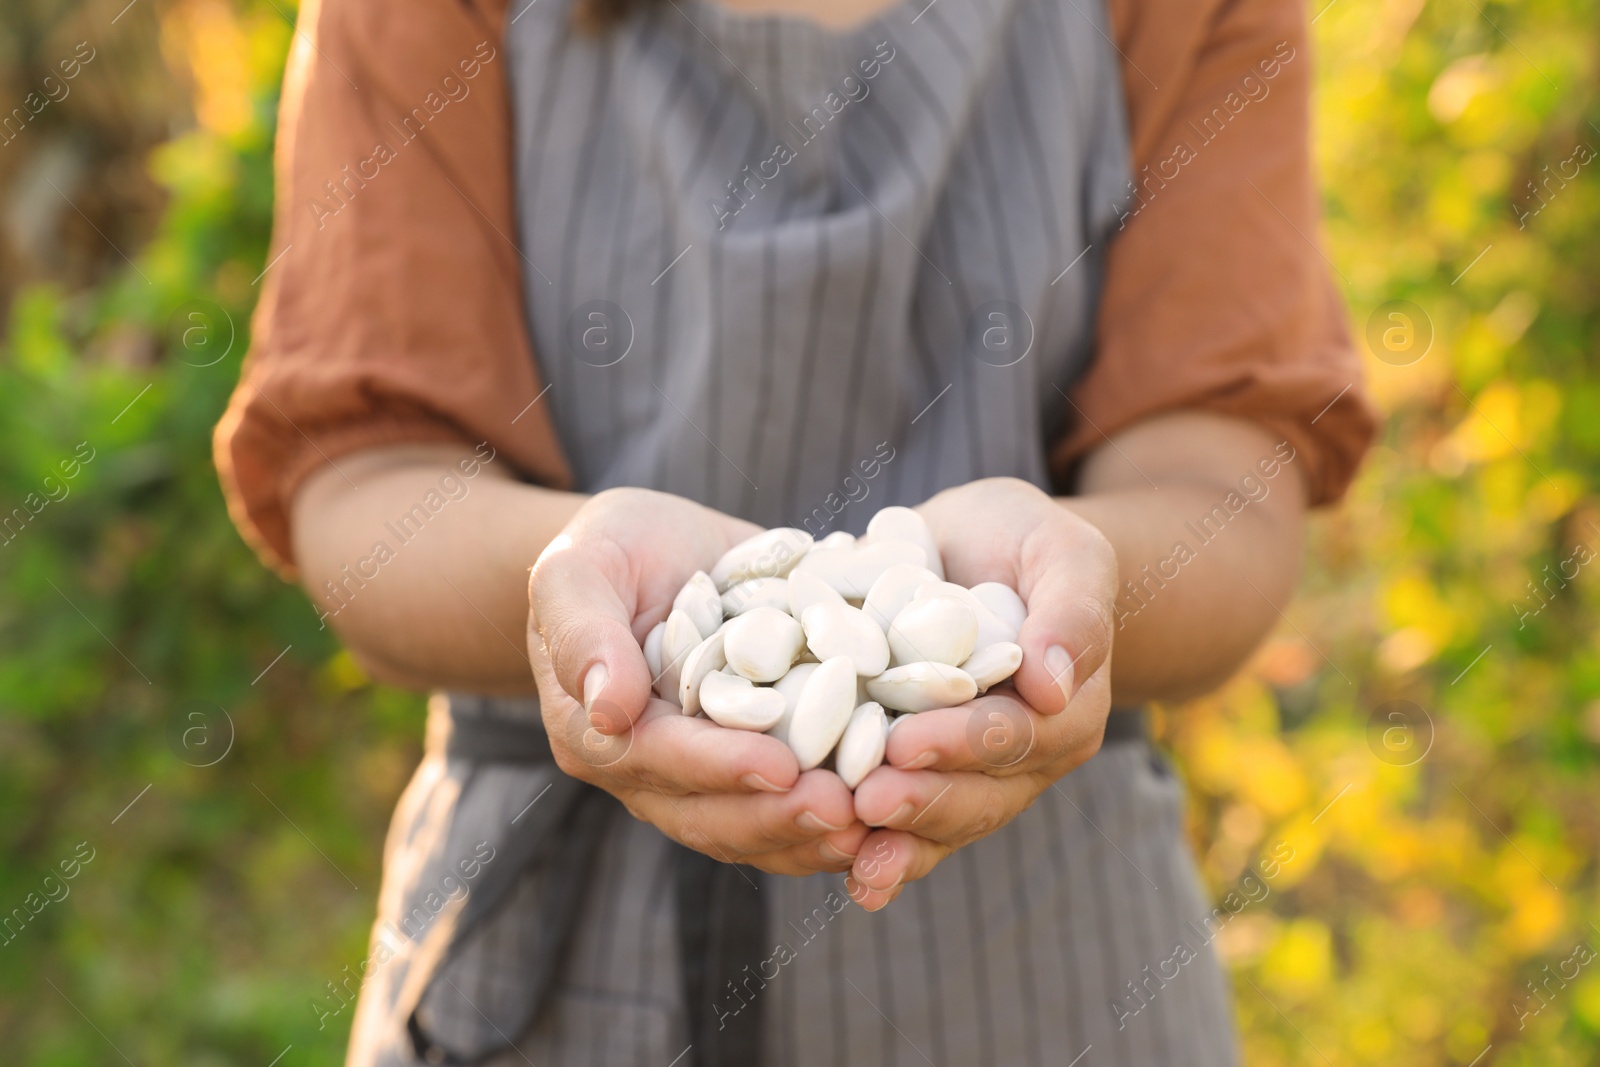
{"x": 594, "y": 594}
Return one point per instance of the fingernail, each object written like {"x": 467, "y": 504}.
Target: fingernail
{"x": 925, "y": 759}
{"x": 889, "y": 891}
{"x": 594, "y": 683}
{"x": 807, "y": 820}
{"x": 890, "y": 895}
{"x": 899, "y": 813}
{"x": 755, "y": 781}
{"x": 833, "y": 855}
{"x": 1059, "y": 664}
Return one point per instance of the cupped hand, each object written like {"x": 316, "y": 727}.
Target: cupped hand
{"x": 954, "y": 775}
{"x": 594, "y": 594}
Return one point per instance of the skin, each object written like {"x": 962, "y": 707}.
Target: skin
{"x": 834, "y": 14}
{"x": 449, "y": 611}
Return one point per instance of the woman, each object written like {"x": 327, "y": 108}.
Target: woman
{"x": 611, "y": 286}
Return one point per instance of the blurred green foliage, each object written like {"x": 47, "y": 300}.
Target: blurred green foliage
{"x": 1423, "y": 731}
{"x": 142, "y": 640}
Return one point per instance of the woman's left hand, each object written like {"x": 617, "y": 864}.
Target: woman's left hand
{"x": 955, "y": 775}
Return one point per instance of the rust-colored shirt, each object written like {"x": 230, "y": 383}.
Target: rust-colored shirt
{"x": 398, "y": 317}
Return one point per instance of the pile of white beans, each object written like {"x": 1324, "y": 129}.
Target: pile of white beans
{"x": 820, "y": 643}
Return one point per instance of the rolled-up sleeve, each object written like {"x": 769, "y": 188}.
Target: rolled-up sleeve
{"x": 1218, "y": 295}
{"x": 392, "y": 307}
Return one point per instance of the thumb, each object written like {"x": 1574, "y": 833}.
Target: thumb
{"x": 1067, "y": 634}
{"x": 582, "y": 611}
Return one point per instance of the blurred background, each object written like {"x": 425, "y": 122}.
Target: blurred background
{"x": 196, "y": 781}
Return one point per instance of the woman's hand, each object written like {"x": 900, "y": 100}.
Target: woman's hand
{"x": 958, "y": 774}
{"x": 594, "y": 594}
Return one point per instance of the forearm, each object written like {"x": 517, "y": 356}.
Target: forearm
{"x": 422, "y": 567}
{"x": 1206, "y": 554}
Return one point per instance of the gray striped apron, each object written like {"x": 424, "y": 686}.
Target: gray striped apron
{"x": 800, "y": 275}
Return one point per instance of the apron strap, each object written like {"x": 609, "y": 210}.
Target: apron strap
{"x": 1124, "y": 725}
{"x": 560, "y": 834}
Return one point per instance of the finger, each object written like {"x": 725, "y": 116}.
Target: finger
{"x": 584, "y": 624}
{"x": 996, "y": 734}
{"x": 887, "y": 861}
{"x": 1069, "y": 590}
{"x": 834, "y": 853}
{"x": 868, "y": 898}
{"x": 673, "y": 753}
{"x": 840, "y": 849}
{"x": 793, "y": 862}
{"x": 950, "y": 809}
{"x": 731, "y": 827}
